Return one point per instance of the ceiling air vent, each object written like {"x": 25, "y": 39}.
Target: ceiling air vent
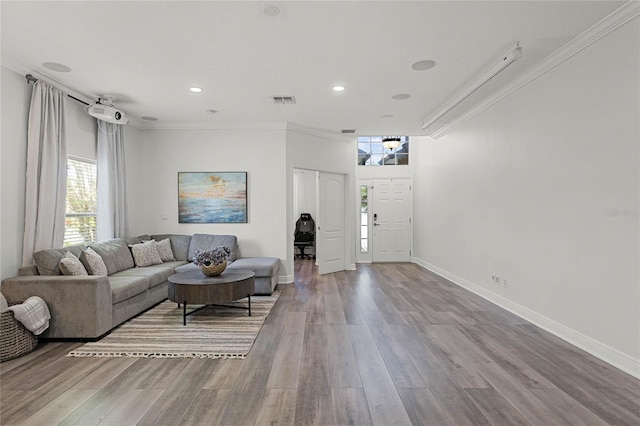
{"x": 348, "y": 131}
{"x": 284, "y": 100}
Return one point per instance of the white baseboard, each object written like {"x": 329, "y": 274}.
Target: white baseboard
{"x": 596, "y": 348}
{"x": 285, "y": 279}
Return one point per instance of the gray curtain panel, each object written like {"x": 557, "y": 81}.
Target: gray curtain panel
{"x": 112, "y": 191}
{"x": 46, "y": 180}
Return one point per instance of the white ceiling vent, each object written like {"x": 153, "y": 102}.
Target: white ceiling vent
{"x": 348, "y": 131}
{"x": 284, "y": 100}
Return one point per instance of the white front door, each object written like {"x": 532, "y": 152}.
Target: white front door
{"x": 330, "y": 226}
{"x": 390, "y": 215}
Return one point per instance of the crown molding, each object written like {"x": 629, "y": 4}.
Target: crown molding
{"x": 312, "y": 131}
{"x": 605, "y": 26}
{"x": 16, "y": 66}
{"x": 217, "y": 125}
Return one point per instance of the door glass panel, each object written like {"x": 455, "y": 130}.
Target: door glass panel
{"x": 364, "y": 214}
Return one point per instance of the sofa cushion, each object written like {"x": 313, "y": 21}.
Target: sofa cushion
{"x": 48, "y": 261}
{"x": 156, "y": 274}
{"x": 146, "y": 254}
{"x": 261, "y": 266}
{"x": 179, "y": 244}
{"x": 189, "y": 267}
{"x": 115, "y": 254}
{"x": 93, "y": 262}
{"x": 210, "y": 241}
{"x": 123, "y": 288}
{"x": 71, "y": 265}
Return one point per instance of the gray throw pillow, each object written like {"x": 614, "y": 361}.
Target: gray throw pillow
{"x": 71, "y": 265}
{"x": 164, "y": 250}
{"x": 93, "y": 262}
{"x": 146, "y": 254}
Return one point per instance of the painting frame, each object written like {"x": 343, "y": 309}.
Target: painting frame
{"x": 213, "y": 197}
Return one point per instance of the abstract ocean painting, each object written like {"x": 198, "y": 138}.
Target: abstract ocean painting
{"x": 212, "y": 197}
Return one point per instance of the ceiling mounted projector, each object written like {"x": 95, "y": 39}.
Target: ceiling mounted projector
{"x": 104, "y": 110}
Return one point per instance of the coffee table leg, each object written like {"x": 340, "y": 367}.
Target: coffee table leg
{"x": 249, "y": 300}
{"x": 184, "y": 313}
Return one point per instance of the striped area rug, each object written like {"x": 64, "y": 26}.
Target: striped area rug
{"x": 213, "y": 332}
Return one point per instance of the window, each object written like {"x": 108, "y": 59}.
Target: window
{"x": 80, "y": 219}
{"x": 364, "y": 215}
{"x": 380, "y": 150}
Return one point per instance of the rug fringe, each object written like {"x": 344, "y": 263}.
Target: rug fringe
{"x": 152, "y": 355}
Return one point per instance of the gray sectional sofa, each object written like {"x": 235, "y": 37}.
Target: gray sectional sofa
{"x": 87, "y": 307}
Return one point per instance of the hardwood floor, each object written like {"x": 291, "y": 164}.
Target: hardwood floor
{"x": 388, "y": 344}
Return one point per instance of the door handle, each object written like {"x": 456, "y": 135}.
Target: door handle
{"x": 376, "y": 224}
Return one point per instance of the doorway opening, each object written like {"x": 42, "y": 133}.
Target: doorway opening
{"x": 321, "y": 196}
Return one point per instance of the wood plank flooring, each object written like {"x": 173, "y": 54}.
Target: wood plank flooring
{"x": 388, "y": 344}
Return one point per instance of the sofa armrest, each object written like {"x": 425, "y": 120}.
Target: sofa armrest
{"x": 80, "y": 306}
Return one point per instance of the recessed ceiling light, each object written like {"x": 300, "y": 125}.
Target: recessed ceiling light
{"x": 338, "y": 88}
{"x": 401, "y": 96}
{"x": 423, "y": 65}
{"x": 195, "y": 89}
{"x": 271, "y": 10}
{"x": 149, "y": 118}
{"x": 386, "y": 116}
{"x": 54, "y": 66}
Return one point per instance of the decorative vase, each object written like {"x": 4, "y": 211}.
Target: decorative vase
{"x": 213, "y": 270}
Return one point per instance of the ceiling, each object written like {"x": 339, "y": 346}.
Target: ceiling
{"x": 148, "y": 53}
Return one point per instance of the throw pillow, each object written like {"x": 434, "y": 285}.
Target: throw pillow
{"x": 164, "y": 250}
{"x": 93, "y": 262}
{"x": 146, "y": 254}
{"x": 71, "y": 265}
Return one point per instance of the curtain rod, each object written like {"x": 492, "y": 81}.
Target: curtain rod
{"x": 31, "y": 79}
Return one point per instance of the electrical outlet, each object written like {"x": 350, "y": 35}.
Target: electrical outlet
{"x": 505, "y": 283}
{"x": 165, "y": 216}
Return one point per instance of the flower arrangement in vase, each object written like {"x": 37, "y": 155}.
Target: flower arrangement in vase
{"x": 212, "y": 262}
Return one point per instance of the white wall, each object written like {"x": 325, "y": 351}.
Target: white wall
{"x": 309, "y": 182}
{"x": 16, "y": 97}
{"x": 325, "y": 153}
{"x": 543, "y": 189}
{"x": 157, "y": 156}
{"x": 307, "y": 192}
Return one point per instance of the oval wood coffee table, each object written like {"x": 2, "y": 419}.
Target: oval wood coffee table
{"x": 197, "y": 289}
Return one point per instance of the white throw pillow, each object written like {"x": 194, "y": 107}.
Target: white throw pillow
{"x": 93, "y": 262}
{"x": 146, "y": 254}
{"x": 71, "y": 265}
{"x": 164, "y": 250}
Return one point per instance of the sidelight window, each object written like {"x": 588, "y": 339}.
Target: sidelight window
{"x": 364, "y": 215}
